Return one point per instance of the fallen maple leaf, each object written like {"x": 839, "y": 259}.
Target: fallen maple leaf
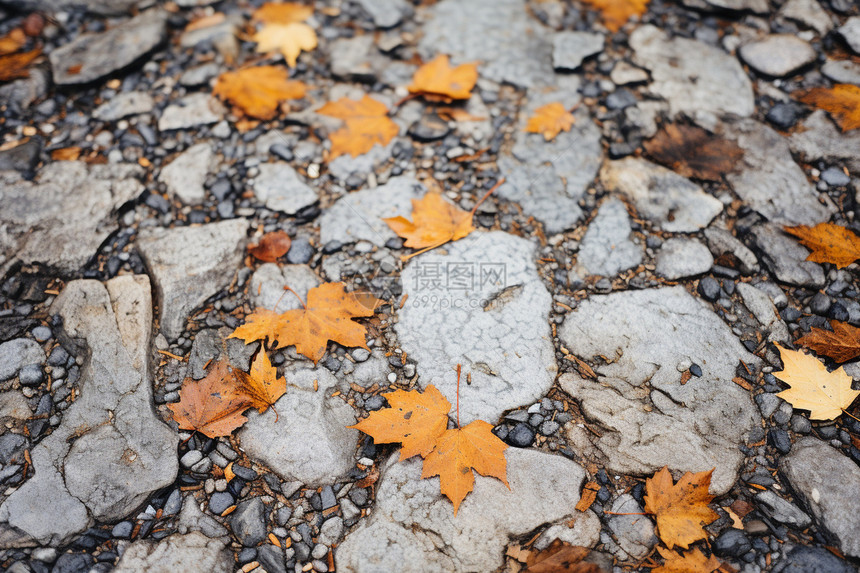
{"x": 589, "y": 494}
{"x": 66, "y": 154}
{"x": 461, "y": 450}
{"x": 617, "y": 12}
{"x": 693, "y": 152}
{"x": 681, "y": 509}
{"x": 286, "y": 13}
{"x": 328, "y": 315}
{"x": 825, "y": 394}
{"x": 842, "y": 101}
{"x": 414, "y": 419}
{"x": 271, "y": 247}
{"x": 561, "y": 557}
{"x": 366, "y": 124}
{"x": 15, "y": 66}
{"x": 829, "y": 243}
{"x": 289, "y": 39}
{"x": 261, "y": 384}
{"x": 434, "y": 222}
{"x": 549, "y": 120}
{"x": 13, "y": 41}
{"x": 692, "y": 562}
{"x": 438, "y": 81}
{"x": 258, "y": 91}
{"x": 212, "y": 406}
{"x": 842, "y": 344}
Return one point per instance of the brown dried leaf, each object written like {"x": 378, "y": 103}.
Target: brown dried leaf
{"x": 693, "y": 152}
{"x": 271, "y": 247}
{"x": 561, "y": 557}
{"x": 212, "y": 406}
{"x": 842, "y": 101}
{"x": 589, "y": 494}
{"x": 15, "y": 66}
{"x": 829, "y": 243}
{"x": 681, "y": 509}
{"x": 842, "y": 344}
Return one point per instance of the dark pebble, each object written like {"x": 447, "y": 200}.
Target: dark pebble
{"x": 73, "y": 563}
{"x": 123, "y": 529}
{"x": 332, "y": 247}
{"x": 820, "y": 304}
{"x": 219, "y": 502}
{"x": 430, "y": 127}
{"x": 31, "y": 375}
{"x": 358, "y": 496}
{"x": 780, "y": 440}
{"x": 173, "y": 503}
{"x": 839, "y": 312}
{"x": 271, "y": 558}
{"x": 220, "y": 189}
{"x": 521, "y": 436}
{"x": 375, "y": 402}
{"x": 603, "y": 494}
{"x": 145, "y": 528}
{"x": 518, "y": 416}
{"x": 300, "y": 251}
{"x": 282, "y": 151}
{"x": 302, "y": 552}
{"x": 803, "y": 559}
{"x": 835, "y": 177}
{"x": 790, "y": 314}
{"x": 536, "y": 420}
{"x": 247, "y": 555}
{"x": 157, "y": 202}
{"x": 709, "y": 288}
{"x": 696, "y": 370}
{"x": 501, "y": 432}
{"x": 327, "y": 497}
{"x": 246, "y": 474}
{"x": 620, "y": 99}
{"x": 783, "y": 115}
{"x": 732, "y": 543}
{"x": 21, "y": 158}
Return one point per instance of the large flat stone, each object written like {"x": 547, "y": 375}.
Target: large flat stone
{"x": 413, "y": 528}
{"x": 820, "y": 139}
{"x": 110, "y": 451}
{"x": 647, "y": 417}
{"x": 484, "y": 306}
{"x": 607, "y": 248}
{"x": 62, "y": 218}
{"x": 280, "y": 188}
{"x": 785, "y": 257}
{"x": 189, "y": 552}
{"x": 186, "y": 174}
{"x": 190, "y": 264}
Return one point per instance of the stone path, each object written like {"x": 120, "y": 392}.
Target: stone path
{"x": 612, "y": 316}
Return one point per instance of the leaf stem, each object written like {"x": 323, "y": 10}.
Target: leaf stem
{"x": 487, "y": 194}
{"x": 847, "y": 414}
{"x": 301, "y": 302}
{"x": 458, "y": 396}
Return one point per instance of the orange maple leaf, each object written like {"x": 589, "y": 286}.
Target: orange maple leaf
{"x": 617, "y": 12}
{"x": 286, "y": 13}
{"x": 285, "y": 30}
{"x": 366, "y": 124}
{"x": 12, "y": 42}
{"x": 829, "y": 243}
{"x": 811, "y": 387}
{"x": 258, "y": 91}
{"x": 561, "y": 557}
{"x": 842, "y": 101}
{"x": 842, "y": 344}
{"x": 694, "y": 561}
{"x": 461, "y": 450}
{"x": 438, "y": 81}
{"x": 549, "y": 120}
{"x": 328, "y": 315}
{"x": 271, "y": 247}
{"x": 261, "y": 384}
{"x": 681, "y": 509}
{"x": 15, "y": 66}
{"x": 416, "y": 420}
{"x": 212, "y": 406}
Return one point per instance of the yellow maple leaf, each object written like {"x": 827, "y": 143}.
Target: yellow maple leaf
{"x": 829, "y": 243}
{"x": 261, "y": 384}
{"x": 617, "y": 12}
{"x": 681, "y": 509}
{"x": 825, "y": 394}
{"x": 691, "y": 562}
{"x": 438, "y": 81}
{"x": 549, "y": 120}
{"x": 366, "y": 123}
{"x": 258, "y": 91}
{"x": 286, "y": 13}
{"x": 842, "y": 101}
{"x": 289, "y": 39}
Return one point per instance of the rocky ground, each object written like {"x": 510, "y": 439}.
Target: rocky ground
{"x": 124, "y": 271}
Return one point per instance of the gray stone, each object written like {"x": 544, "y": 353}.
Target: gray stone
{"x": 20, "y": 94}
{"x": 61, "y": 219}
{"x": 358, "y": 216}
{"x": 23, "y": 157}
{"x": 90, "y": 57}
{"x": 680, "y": 258}
{"x": 310, "y": 441}
{"x": 635, "y": 533}
{"x": 111, "y": 451}
{"x": 606, "y": 248}
{"x": 678, "y": 67}
{"x": 476, "y": 320}
{"x": 583, "y": 531}
{"x": 764, "y": 311}
{"x": 785, "y": 257}
{"x": 569, "y": 49}
{"x": 123, "y": 105}
{"x": 548, "y": 178}
{"x": 189, "y": 552}
{"x": 828, "y": 482}
{"x": 190, "y": 264}
{"x": 510, "y": 44}
{"x": 191, "y": 111}
{"x": 722, "y": 242}
{"x": 768, "y": 179}
{"x": 778, "y": 55}
{"x": 648, "y": 418}
{"x": 215, "y": 344}
{"x": 755, "y": 6}
{"x": 191, "y": 518}
{"x": 280, "y": 188}
{"x": 345, "y": 167}
{"x": 808, "y": 12}
{"x": 248, "y": 522}
{"x": 781, "y": 510}
{"x": 386, "y": 13}
{"x": 671, "y": 202}
{"x": 199, "y": 75}
{"x": 842, "y": 71}
{"x": 356, "y": 58}
{"x": 268, "y": 282}
{"x": 819, "y": 139}
{"x": 101, "y": 7}
{"x": 331, "y": 531}
{"x": 850, "y": 32}
{"x": 186, "y": 174}
{"x": 624, "y": 74}
{"x": 17, "y": 353}
{"x": 413, "y": 528}
{"x": 14, "y": 406}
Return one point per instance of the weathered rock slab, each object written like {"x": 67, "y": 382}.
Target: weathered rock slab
{"x": 185, "y": 176}
{"x": 607, "y": 248}
{"x": 281, "y": 189}
{"x": 189, "y": 552}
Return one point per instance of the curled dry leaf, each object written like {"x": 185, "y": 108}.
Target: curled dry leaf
{"x": 825, "y": 394}
{"x": 271, "y": 247}
{"x": 16, "y": 66}
{"x": 829, "y": 243}
{"x": 561, "y": 557}
{"x": 842, "y": 101}
{"x": 589, "y": 494}
{"x": 842, "y": 344}
{"x": 693, "y": 152}
{"x": 437, "y": 80}
{"x": 328, "y": 315}
{"x": 212, "y": 406}
{"x": 550, "y": 120}
{"x": 616, "y": 13}
{"x": 258, "y": 91}
{"x": 66, "y": 154}
{"x": 681, "y": 509}
{"x": 366, "y": 124}
{"x": 692, "y": 562}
